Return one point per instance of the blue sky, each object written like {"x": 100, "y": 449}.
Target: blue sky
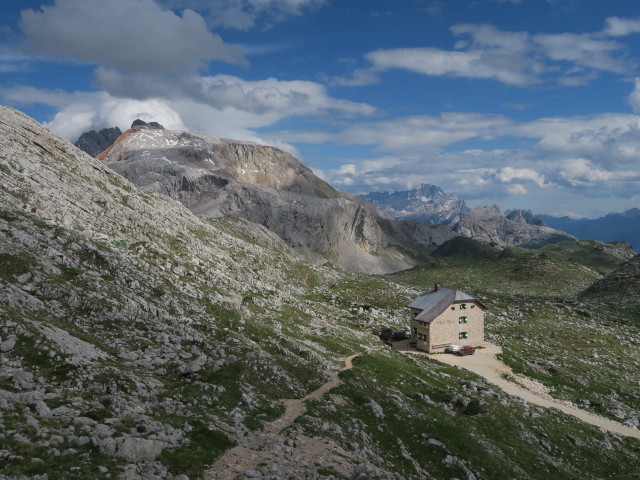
{"x": 530, "y": 104}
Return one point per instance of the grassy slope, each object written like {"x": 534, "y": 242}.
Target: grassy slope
{"x": 583, "y": 352}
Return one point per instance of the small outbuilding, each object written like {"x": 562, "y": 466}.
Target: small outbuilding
{"x": 441, "y": 317}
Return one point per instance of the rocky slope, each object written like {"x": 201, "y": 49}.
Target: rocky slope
{"x": 490, "y": 225}
{"x": 216, "y": 177}
{"x": 427, "y": 203}
{"x": 120, "y": 314}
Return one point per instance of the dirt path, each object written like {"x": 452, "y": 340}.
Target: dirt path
{"x": 485, "y": 364}
{"x": 269, "y": 442}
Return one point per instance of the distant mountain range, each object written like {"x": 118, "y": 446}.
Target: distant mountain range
{"x": 623, "y": 226}
{"x": 431, "y": 205}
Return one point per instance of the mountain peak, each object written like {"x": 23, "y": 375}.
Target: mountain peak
{"x": 137, "y": 124}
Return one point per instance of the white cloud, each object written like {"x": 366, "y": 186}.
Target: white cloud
{"x": 583, "y": 50}
{"x": 270, "y": 97}
{"x": 513, "y": 58}
{"x": 619, "y": 27}
{"x": 132, "y": 35}
{"x": 12, "y": 61}
{"x": 634, "y": 96}
{"x": 468, "y": 64}
{"x": 246, "y": 14}
{"x": 510, "y": 174}
{"x": 420, "y": 133}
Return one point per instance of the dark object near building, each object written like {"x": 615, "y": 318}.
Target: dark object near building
{"x": 400, "y": 335}
{"x": 384, "y": 333}
{"x": 466, "y": 350}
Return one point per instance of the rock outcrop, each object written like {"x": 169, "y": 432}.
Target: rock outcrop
{"x": 490, "y": 225}
{"x": 94, "y": 142}
{"x": 427, "y": 203}
{"x": 526, "y": 217}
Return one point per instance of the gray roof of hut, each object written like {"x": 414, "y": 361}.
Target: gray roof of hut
{"x": 433, "y": 302}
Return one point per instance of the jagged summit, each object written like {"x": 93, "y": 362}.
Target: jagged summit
{"x": 431, "y": 205}
{"x": 94, "y": 142}
{"x": 427, "y": 203}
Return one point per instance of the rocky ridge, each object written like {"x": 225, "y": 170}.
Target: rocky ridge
{"x": 490, "y": 225}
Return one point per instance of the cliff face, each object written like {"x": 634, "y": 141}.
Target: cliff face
{"x": 489, "y": 225}
{"x": 215, "y": 177}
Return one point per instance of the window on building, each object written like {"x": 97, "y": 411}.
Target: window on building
{"x": 463, "y": 306}
{"x": 462, "y": 335}
{"x": 473, "y": 306}
{"x": 453, "y": 308}
{"x": 462, "y": 320}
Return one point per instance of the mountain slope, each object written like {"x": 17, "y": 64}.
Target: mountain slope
{"x": 119, "y": 320}
{"x": 215, "y": 177}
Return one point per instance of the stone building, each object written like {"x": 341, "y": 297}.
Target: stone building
{"x": 441, "y": 317}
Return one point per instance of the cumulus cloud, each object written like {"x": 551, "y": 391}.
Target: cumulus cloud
{"x": 222, "y": 106}
{"x": 510, "y": 174}
{"x": 246, "y": 14}
{"x": 131, "y": 35}
{"x": 563, "y": 156}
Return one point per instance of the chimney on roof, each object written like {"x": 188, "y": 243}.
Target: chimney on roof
{"x": 437, "y": 288}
